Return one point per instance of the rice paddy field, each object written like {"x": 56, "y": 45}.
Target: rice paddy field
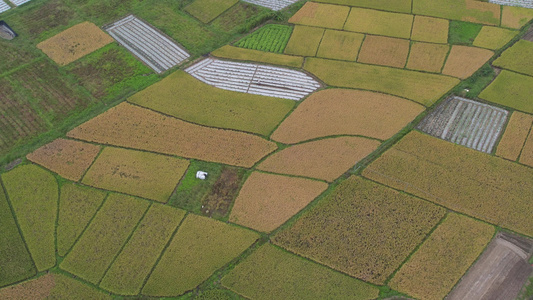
{"x": 260, "y": 149}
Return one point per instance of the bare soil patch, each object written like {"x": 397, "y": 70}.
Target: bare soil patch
{"x": 218, "y": 202}
{"x": 70, "y": 159}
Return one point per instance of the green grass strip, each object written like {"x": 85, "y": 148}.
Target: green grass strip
{"x": 101, "y": 242}
{"x": 463, "y": 33}
{"x": 134, "y": 263}
{"x": 34, "y": 194}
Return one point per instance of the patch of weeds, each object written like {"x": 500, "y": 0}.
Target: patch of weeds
{"x": 473, "y": 86}
{"x": 463, "y": 33}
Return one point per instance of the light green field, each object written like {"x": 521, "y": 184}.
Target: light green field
{"x": 340, "y": 45}
{"x": 207, "y": 10}
{"x": 494, "y": 37}
{"x": 403, "y": 6}
{"x": 200, "y": 247}
{"x": 379, "y": 22}
{"x": 421, "y": 87}
{"x": 272, "y": 273}
{"x": 183, "y": 96}
{"x": 516, "y": 58}
{"x": 304, "y": 41}
{"x": 511, "y": 89}
{"x": 101, "y": 242}
{"x": 33, "y": 193}
{"x": 77, "y": 206}
{"x": 461, "y": 10}
{"x": 15, "y": 260}
{"x": 128, "y": 272}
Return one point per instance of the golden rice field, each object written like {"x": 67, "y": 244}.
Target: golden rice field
{"x": 74, "y": 43}
{"x": 427, "y": 57}
{"x": 304, "y": 41}
{"x": 267, "y": 200}
{"x": 341, "y": 45}
{"x": 516, "y": 17}
{"x": 130, "y": 126}
{"x": 346, "y": 112}
{"x": 443, "y": 258}
{"x": 494, "y": 37}
{"x": 527, "y": 152}
{"x": 509, "y": 58}
{"x": 321, "y": 15}
{"x": 244, "y": 54}
{"x": 432, "y": 30}
{"x": 463, "y": 61}
{"x": 379, "y": 23}
{"x": 385, "y": 51}
{"x": 515, "y": 136}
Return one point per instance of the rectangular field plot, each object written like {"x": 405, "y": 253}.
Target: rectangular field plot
{"x": 148, "y": 44}
{"x": 517, "y": 58}
{"x": 527, "y": 152}
{"x": 338, "y": 44}
{"x": 385, "y": 51}
{"x": 462, "y": 10}
{"x": 515, "y": 135}
{"x": 304, "y": 40}
{"x": 511, "y": 89}
{"x": 486, "y": 187}
{"x": 379, "y": 23}
{"x": 499, "y": 273}
{"x": 4, "y": 6}
{"x": 427, "y": 57}
{"x": 207, "y": 10}
{"x": 516, "y": 17}
{"x": 272, "y": 4}
{"x": 466, "y": 122}
{"x": 254, "y": 79}
{"x": 270, "y": 38}
{"x": 388, "y": 5}
{"x": 321, "y": 15}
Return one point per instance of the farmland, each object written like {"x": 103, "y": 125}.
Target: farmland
{"x": 265, "y": 149}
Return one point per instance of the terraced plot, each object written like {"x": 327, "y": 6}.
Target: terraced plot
{"x": 254, "y": 79}
{"x": 466, "y": 122}
{"x": 272, "y": 4}
{"x": 148, "y": 44}
{"x": 4, "y": 6}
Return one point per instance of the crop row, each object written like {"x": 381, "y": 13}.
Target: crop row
{"x": 271, "y": 38}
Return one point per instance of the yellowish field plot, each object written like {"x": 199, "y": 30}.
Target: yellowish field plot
{"x": 340, "y": 45}
{"x": 470, "y": 181}
{"x": 427, "y": 57}
{"x": 494, "y": 37}
{"x": 321, "y": 15}
{"x": 515, "y": 135}
{"x": 385, "y": 51}
{"x": 207, "y": 10}
{"x": 77, "y": 206}
{"x": 516, "y": 58}
{"x": 304, "y": 41}
{"x": 200, "y": 247}
{"x": 149, "y": 175}
{"x": 443, "y": 258}
{"x": 266, "y": 200}
{"x": 325, "y": 159}
{"x": 463, "y": 61}
{"x": 237, "y": 53}
{"x": 33, "y": 194}
{"x": 70, "y": 159}
{"x": 52, "y": 286}
{"x": 103, "y": 239}
{"x": 427, "y": 29}
{"x": 379, "y": 22}
{"x": 128, "y": 272}
{"x": 463, "y": 10}
{"x": 421, "y": 87}
{"x": 271, "y": 273}
{"x": 389, "y": 5}
{"x": 361, "y": 228}
{"x": 527, "y": 152}
{"x": 74, "y": 43}
{"x": 516, "y": 17}
{"x": 183, "y": 96}
{"x": 511, "y": 89}
{"x": 130, "y": 126}
{"x": 347, "y": 112}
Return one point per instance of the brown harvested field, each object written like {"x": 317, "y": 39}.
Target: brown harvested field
{"x": 350, "y": 112}
{"x": 325, "y": 159}
{"x": 463, "y": 61}
{"x": 321, "y": 15}
{"x": 266, "y": 200}
{"x": 218, "y": 201}
{"x": 70, "y": 159}
{"x": 516, "y": 17}
{"x": 433, "y": 270}
{"x": 427, "y": 29}
{"x": 427, "y": 57}
{"x": 385, "y": 51}
{"x": 527, "y": 152}
{"x": 149, "y": 175}
{"x": 39, "y": 288}
{"x": 469, "y": 181}
{"x": 515, "y": 135}
{"x": 130, "y": 126}
{"x": 74, "y": 43}
{"x": 342, "y": 45}
{"x": 304, "y": 41}
{"x": 500, "y": 272}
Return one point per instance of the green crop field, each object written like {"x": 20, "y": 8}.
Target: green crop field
{"x": 270, "y": 38}
{"x": 511, "y": 89}
{"x": 508, "y": 60}
{"x": 463, "y": 33}
{"x": 207, "y": 10}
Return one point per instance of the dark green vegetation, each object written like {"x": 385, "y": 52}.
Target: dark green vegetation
{"x": 15, "y": 260}
{"x": 463, "y": 33}
{"x": 472, "y": 86}
{"x": 271, "y": 38}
